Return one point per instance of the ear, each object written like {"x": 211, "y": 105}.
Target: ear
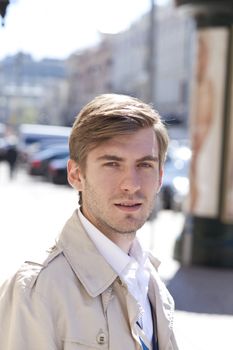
{"x": 160, "y": 182}
{"x": 74, "y": 175}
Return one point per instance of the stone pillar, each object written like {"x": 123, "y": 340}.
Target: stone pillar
{"x": 207, "y": 237}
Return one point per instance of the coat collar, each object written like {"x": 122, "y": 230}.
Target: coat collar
{"x": 90, "y": 267}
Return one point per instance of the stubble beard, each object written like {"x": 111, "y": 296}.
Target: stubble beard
{"x": 106, "y": 222}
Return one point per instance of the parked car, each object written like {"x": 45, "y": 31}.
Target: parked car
{"x": 175, "y": 185}
{"x": 57, "y": 171}
{"x": 35, "y": 137}
{"x": 38, "y": 163}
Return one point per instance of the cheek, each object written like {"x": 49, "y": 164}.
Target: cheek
{"x": 152, "y": 183}
{"x": 102, "y": 183}
{"x": 109, "y": 185}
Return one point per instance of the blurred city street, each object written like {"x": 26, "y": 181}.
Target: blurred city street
{"x": 33, "y": 213}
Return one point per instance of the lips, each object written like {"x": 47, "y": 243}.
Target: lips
{"x": 128, "y": 206}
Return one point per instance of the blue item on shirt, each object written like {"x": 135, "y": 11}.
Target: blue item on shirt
{"x": 154, "y": 342}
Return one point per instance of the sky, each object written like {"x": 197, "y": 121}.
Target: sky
{"x": 57, "y": 28}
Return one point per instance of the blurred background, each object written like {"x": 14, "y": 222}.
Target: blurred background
{"x": 54, "y": 58}
{"x": 176, "y": 55}
{"x": 68, "y": 53}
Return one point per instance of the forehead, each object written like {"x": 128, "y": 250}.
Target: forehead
{"x": 134, "y": 145}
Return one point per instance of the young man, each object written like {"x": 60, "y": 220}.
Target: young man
{"x": 98, "y": 289}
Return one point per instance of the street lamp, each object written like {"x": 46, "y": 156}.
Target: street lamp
{"x": 3, "y": 7}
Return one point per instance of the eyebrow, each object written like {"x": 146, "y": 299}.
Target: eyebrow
{"x": 120, "y": 159}
{"x": 148, "y": 158}
{"x": 110, "y": 157}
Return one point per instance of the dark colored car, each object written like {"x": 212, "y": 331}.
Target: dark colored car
{"x": 57, "y": 171}
{"x": 175, "y": 185}
{"x": 35, "y": 137}
{"x": 38, "y": 163}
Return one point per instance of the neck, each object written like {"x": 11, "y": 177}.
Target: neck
{"x": 122, "y": 240}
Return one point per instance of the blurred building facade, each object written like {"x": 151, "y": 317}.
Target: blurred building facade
{"x": 53, "y": 92}
{"x": 121, "y": 64}
{"x": 89, "y": 74}
{"x": 31, "y": 91}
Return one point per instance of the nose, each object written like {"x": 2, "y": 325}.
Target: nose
{"x": 130, "y": 181}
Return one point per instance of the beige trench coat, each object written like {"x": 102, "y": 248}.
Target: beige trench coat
{"x": 74, "y": 300}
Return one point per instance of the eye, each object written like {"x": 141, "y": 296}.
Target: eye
{"x": 111, "y": 164}
{"x": 145, "y": 165}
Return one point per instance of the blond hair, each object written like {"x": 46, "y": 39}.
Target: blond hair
{"x": 111, "y": 115}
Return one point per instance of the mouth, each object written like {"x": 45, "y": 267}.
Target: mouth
{"x": 128, "y": 207}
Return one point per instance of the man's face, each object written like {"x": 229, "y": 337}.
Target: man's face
{"x": 120, "y": 182}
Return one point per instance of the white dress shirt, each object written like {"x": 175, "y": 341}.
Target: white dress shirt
{"x": 132, "y": 268}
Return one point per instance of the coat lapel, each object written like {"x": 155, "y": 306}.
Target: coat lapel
{"x": 163, "y": 309}
{"x": 90, "y": 267}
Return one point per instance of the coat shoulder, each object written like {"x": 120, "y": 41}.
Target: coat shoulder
{"x": 26, "y": 276}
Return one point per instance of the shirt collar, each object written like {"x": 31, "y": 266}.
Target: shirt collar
{"x": 115, "y": 256}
